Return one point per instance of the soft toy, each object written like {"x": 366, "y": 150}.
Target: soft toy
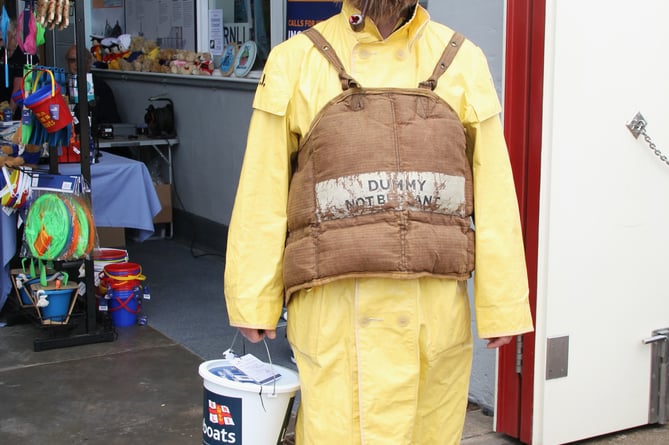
{"x": 96, "y": 48}
{"x": 114, "y": 64}
{"x": 136, "y": 43}
{"x": 149, "y": 47}
{"x": 124, "y": 42}
{"x": 181, "y": 67}
{"x": 10, "y": 152}
{"x": 205, "y": 66}
{"x": 166, "y": 55}
{"x": 154, "y": 66}
{"x": 12, "y": 156}
{"x": 9, "y": 156}
{"x": 125, "y": 65}
{"x": 113, "y": 53}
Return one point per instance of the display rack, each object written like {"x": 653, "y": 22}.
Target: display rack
{"x": 92, "y": 332}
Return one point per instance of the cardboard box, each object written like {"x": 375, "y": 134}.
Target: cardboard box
{"x": 111, "y": 236}
{"x": 164, "y": 192}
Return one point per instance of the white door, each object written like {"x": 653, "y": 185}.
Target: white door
{"x": 604, "y": 219}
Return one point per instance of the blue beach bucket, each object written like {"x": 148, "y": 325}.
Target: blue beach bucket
{"x": 58, "y": 308}
{"x": 26, "y": 288}
{"x": 24, "y": 291}
{"x": 124, "y": 306}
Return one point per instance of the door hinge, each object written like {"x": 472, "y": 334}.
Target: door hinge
{"x": 659, "y": 380}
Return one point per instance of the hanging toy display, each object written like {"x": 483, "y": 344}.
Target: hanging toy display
{"x": 15, "y": 192}
{"x": 46, "y": 117}
{"x": 59, "y": 227}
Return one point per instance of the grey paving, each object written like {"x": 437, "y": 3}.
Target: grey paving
{"x": 140, "y": 389}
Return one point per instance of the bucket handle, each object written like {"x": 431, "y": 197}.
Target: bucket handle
{"x": 138, "y": 277}
{"x": 36, "y": 81}
{"x": 230, "y": 351}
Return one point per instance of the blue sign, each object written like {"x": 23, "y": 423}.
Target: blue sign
{"x": 302, "y": 15}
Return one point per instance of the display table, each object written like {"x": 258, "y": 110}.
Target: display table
{"x": 158, "y": 144}
{"x": 123, "y": 195}
{"x": 144, "y": 142}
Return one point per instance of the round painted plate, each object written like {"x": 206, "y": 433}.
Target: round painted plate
{"x": 246, "y": 56}
{"x": 228, "y": 59}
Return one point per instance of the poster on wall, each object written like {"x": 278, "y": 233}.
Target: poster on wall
{"x": 171, "y": 23}
{"x": 303, "y": 14}
{"x": 216, "y": 32}
{"x": 107, "y": 18}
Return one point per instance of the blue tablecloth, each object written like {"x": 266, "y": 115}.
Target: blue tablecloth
{"x": 123, "y": 195}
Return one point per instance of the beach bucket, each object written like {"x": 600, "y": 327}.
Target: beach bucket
{"x": 17, "y": 97}
{"x": 124, "y": 306}
{"x": 48, "y": 105}
{"x": 60, "y": 303}
{"x": 245, "y": 413}
{"x": 21, "y": 283}
{"x": 104, "y": 255}
{"x": 26, "y": 291}
{"x": 125, "y": 276}
{"x": 101, "y": 257}
{"x": 24, "y": 286}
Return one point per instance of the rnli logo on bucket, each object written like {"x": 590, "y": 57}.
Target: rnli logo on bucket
{"x": 220, "y": 414}
{"x": 222, "y": 419}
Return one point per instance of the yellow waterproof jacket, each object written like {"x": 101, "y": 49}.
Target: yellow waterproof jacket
{"x": 296, "y": 83}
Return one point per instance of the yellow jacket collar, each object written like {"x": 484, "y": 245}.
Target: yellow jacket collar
{"x": 408, "y": 31}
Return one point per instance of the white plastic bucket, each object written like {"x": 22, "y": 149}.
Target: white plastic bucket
{"x": 246, "y": 413}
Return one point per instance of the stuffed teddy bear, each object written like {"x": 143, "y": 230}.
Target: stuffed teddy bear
{"x": 204, "y": 64}
{"x": 150, "y": 48}
{"x": 181, "y": 67}
{"x": 11, "y": 155}
{"x": 124, "y": 65}
{"x": 136, "y": 43}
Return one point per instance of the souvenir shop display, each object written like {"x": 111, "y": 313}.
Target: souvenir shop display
{"x": 53, "y": 212}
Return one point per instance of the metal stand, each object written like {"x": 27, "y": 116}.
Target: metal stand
{"x": 92, "y": 333}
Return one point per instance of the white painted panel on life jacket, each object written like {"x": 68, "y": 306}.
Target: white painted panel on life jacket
{"x": 604, "y": 215}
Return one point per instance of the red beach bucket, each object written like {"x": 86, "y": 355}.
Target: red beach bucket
{"x": 48, "y": 105}
{"x": 123, "y": 276}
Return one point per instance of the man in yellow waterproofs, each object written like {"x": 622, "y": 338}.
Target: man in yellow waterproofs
{"x": 374, "y": 150}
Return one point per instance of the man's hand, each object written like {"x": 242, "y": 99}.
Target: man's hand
{"x": 496, "y": 342}
{"x": 256, "y": 335}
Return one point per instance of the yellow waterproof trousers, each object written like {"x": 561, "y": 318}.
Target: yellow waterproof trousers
{"x": 382, "y": 361}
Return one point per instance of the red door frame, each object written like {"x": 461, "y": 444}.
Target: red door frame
{"x": 523, "y": 102}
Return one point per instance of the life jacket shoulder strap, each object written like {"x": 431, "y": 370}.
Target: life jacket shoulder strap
{"x": 326, "y": 49}
{"x": 445, "y": 61}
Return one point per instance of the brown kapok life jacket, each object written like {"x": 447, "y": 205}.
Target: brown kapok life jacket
{"x": 382, "y": 186}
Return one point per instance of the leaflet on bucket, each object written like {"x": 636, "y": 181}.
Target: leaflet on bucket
{"x": 246, "y": 369}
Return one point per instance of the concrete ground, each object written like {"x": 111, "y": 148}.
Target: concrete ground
{"x": 478, "y": 431}
{"x": 142, "y": 388}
